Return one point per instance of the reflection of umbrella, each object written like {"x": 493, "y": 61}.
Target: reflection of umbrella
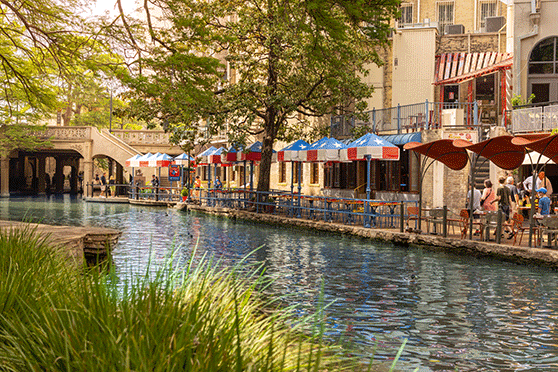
{"x": 133, "y": 161}
{"x": 372, "y": 146}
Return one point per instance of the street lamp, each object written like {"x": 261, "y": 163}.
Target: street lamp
{"x": 110, "y": 115}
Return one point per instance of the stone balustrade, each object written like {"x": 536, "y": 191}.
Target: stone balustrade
{"x": 142, "y": 137}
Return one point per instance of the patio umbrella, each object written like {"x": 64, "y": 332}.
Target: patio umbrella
{"x": 204, "y": 156}
{"x": 303, "y": 154}
{"x": 444, "y": 151}
{"x": 144, "y": 160}
{"x": 183, "y": 159}
{"x": 133, "y": 161}
{"x": 160, "y": 160}
{"x": 291, "y": 153}
{"x": 231, "y": 155}
{"x": 326, "y": 151}
{"x": 370, "y": 146}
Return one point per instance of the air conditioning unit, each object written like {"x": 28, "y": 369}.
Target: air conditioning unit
{"x": 494, "y": 24}
{"x": 454, "y": 29}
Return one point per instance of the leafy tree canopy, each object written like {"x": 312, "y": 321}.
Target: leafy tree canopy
{"x": 259, "y": 67}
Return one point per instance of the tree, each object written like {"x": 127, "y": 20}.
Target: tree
{"x": 40, "y": 41}
{"x": 290, "y": 61}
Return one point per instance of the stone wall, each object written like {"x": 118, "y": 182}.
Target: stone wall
{"x": 472, "y": 43}
{"x": 441, "y": 185}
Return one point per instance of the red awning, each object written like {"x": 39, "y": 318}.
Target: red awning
{"x": 547, "y": 146}
{"x": 453, "y": 68}
{"x": 442, "y": 150}
{"x": 499, "y": 150}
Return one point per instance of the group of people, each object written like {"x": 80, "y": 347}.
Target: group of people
{"x": 107, "y": 188}
{"x": 508, "y": 197}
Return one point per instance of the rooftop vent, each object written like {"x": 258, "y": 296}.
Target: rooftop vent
{"x": 454, "y": 29}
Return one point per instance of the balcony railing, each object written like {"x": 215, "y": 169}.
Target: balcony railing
{"x": 534, "y": 119}
{"x": 409, "y": 118}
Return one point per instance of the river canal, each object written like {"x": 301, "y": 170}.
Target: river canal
{"x": 458, "y": 313}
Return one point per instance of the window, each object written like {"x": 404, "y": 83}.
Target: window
{"x": 314, "y": 173}
{"x": 406, "y": 14}
{"x": 282, "y": 172}
{"x": 487, "y": 9}
{"x": 544, "y": 57}
{"x": 445, "y": 14}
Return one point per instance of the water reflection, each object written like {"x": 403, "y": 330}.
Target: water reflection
{"x": 459, "y": 313}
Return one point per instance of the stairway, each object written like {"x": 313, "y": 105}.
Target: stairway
{"x": 482, "y": 172}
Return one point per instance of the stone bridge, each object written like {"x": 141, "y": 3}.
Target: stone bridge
{"x": 76, "y": 147}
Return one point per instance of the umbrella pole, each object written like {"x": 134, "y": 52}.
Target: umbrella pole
{"x": 367, "y": 217}
{"x": 472, "y": 195}
{"x": 292, "y": 185}
{"x": 251, "y": 176}
{"x": 299, "y": 187}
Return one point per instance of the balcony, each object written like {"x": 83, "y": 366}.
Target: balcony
{"x": 535, "y": 118}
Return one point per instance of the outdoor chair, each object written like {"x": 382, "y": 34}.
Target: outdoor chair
{"x": 412, "y": 215}
{"x": 517, "y": 227}
{"x": 549, "y": 226}
{"x": 464, "y": 224}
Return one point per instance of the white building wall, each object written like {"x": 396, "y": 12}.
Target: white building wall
{"x": 413, "y": 65}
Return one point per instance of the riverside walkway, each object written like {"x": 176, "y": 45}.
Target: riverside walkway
{"x": 76, "y": 241}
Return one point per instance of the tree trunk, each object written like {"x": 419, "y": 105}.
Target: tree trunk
{"x": 265, "y": 164}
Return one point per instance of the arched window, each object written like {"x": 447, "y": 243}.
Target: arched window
{"x": 543, "y": 71}
{"x": 544, "y": 57}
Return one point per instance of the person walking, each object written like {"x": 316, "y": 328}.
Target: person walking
{"x": 503, "y": 198}
{"x": 488, "y": 195}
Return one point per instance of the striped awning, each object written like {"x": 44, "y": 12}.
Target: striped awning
{"x": 453, "y": 68}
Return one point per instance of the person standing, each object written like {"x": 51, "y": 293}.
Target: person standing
{"x": 218, "y": 183}
{"x": 543, "y": 182}
{"x": 112, "y": 183}
{"x": 544, "y": 202}
{"x": 514, "y": 208}
{"x": 104, "y": 189}
{"x": 488, "y": 195}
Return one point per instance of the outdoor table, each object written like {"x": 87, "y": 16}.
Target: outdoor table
{"x": 310, "y": 200}
{"x": 352, "y": 208}
{"x": 548, "y": 225}
{"x": 328, "y": 211}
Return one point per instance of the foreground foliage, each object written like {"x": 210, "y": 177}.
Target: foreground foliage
{"x": 54, "y": 317}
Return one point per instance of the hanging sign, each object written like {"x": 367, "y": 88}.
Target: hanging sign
{"x": 174, "y": 172}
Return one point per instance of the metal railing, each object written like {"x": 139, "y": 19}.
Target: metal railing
{"x": 534, "y": 119}
{"x": 409, "y": 118}
{"x": 369, "y": 213}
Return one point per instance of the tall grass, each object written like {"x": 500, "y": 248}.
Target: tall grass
{"x": 54, "y": 317}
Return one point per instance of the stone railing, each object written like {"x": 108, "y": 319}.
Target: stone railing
{"x": 66, "y": 133}
{"x": 142, "y": 137}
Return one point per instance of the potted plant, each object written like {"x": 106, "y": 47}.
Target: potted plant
{"x": 184, "y": 194}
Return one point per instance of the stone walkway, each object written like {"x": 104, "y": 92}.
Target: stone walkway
{"x": 452, "y": 243}
{"x": 74, "y": 240}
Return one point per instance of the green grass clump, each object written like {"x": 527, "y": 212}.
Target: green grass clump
{"x": 54, "y": 317}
